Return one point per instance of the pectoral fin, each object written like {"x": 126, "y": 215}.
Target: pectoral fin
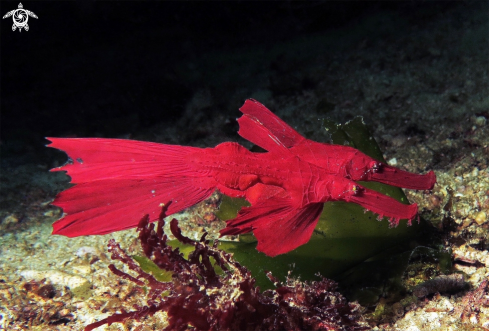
{"x": 278, "y": 226}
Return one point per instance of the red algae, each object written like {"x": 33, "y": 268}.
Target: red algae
{"x": 201, "y": 297}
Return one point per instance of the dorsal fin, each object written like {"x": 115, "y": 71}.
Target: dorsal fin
{"x": 257, "y": 119}
{"x": 254, "y": 131}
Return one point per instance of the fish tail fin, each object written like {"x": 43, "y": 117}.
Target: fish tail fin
{"x": 106, "y": 206}
{"x": 120, "y": 181}
{"x": 93, "y": 159}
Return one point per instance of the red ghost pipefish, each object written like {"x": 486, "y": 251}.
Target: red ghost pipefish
{"x": 118, "y": 181}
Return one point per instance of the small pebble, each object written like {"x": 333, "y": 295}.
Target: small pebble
{"x": 466, "y": 222}
{"x": 82, "y": 269}
{"x": 11, "y": 219}
{"x": 480, "y": 121}
{"x": 64, "y": 312}
{"x": 87, "y": 250}
{"x": 480, "y": 217}
{"x": 50, "y": 213}
{"x": 435, "y": 200}
{"x": 392, "y": 162}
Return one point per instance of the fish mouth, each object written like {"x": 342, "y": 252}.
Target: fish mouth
{"x": 396, "y": 177}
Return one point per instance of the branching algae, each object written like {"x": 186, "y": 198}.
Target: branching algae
{"x": 206, "y": 299}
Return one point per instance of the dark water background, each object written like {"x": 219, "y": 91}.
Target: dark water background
{"x": 119, "y": 69}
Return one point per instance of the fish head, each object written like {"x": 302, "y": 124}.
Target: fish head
{"x": 362, "y": 167}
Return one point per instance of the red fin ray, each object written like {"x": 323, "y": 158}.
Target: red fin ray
{"x": 95, "y": 150}
{"x": 96, "y": 158}
{"x": 106, "y": 206}
{"x": 277, "y": 224}
{"x": 400, "y": 178}
{"x": 261, "y": 117}
{"x": 384, "y": 205}
{"x": 254, "y": 131}
{"x": 119, "y": 181}
{"x": 83, "y": 173}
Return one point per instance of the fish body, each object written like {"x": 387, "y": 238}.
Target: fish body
{"x": 119, "y": 181}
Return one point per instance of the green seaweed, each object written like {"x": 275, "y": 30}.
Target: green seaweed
{"x": 150, "y": 267}
{"x": 345, "y": 235}
{"x": 162, "y": 275}
{"x": 230, "y": 206}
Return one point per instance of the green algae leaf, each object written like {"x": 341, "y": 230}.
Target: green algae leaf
{"x": 345, "y": 235}
{"x": 230, "y": 206}
{"x": 160, "y": 274}
{"x": 163, "y": 275}
{"x": 150, "y": 267}
{"x": 356, "y": 134}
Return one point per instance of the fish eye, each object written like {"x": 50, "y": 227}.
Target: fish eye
{"x": 375, "y": 166}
